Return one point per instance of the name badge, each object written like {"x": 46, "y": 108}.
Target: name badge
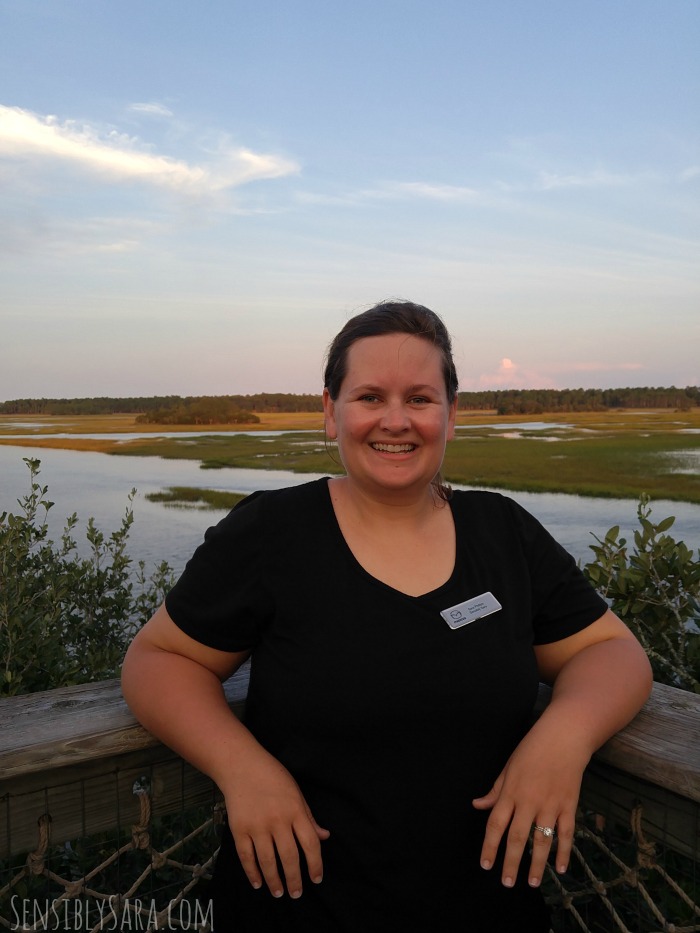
{"x": 476, "y": 608}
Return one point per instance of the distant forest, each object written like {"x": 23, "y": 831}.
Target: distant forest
{"x": 243, "y": 409}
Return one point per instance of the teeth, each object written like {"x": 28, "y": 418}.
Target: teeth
{"x": 394, "y": 448}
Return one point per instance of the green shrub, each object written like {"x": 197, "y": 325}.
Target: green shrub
{"x": 65, "y": 619}
{"x": 655, "y": 589}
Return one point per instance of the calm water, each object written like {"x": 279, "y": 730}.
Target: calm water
{"x": 98, "y": 485}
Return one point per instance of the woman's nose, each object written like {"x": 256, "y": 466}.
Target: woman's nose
{"x": 395, "y": 418}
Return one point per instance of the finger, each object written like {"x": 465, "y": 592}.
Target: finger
{"x": 490, "y": 799}
{"x": 288, "y": 853}
{"x": 495, "y": 828}
{"x": 485, "y": 803}
{"x": 246, "y": 855}
{"x": 308, "y": 836}
{"x": 320, "y": 831}
{"x": 267, "y": 862}
{"x": 518, "y": 836}
{"x": 541, "y": 846}
{"x": 565, "y": 840}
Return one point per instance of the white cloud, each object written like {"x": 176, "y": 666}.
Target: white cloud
{"x": 118, "y": 158}
{"x": 152, "y": 109}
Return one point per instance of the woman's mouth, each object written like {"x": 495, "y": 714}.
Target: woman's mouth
{"x": 393, "y": 448}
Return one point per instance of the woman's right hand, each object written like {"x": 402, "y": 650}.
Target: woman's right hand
{"x": 271, "y": 822}
{"x": 173, "y": 685}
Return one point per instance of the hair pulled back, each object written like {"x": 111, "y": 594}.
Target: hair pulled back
{"x": 390, "y": 317}
{"x": 393, "y": 317}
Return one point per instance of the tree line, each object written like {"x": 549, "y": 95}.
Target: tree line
{"x": 231, "y": 409}
{"x": 538, "y": 401}
{"x": 140, "y": 405}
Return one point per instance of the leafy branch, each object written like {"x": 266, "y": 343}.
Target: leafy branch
{"x": 67, "y": 619}
{"x": 654, "y": 586}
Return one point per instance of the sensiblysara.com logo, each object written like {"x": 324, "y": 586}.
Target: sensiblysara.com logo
{"x": 111, "y": 913}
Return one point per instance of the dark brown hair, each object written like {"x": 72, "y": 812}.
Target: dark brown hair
{"x": 390, "y": 317}
{"x": 393, "y": 317}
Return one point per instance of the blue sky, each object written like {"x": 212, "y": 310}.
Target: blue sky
{"x": 195, "y": 197}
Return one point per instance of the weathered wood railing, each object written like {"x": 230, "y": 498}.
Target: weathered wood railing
{"x": 76, "y": 753}
{"x": 54, "y": 738}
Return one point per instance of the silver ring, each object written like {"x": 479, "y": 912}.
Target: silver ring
{"x": 547, "y": 831}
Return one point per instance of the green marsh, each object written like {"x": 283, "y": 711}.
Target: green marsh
{"x": 619, "y": 456}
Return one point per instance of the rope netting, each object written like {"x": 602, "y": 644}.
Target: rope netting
{"x": 36, "y": 897}
{"x": 616, "y": 882}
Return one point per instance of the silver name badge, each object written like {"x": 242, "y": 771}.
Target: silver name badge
{"x": 471, "y": 609}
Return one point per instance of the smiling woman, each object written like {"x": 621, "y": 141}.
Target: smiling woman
{"x": 365, "y": 585}
{"x": 392, "y": 430}
{"x": 427, "y": 357}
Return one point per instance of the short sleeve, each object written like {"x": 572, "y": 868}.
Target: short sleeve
{"x": 563, "y": 601}
{"x": 221, "y": 600}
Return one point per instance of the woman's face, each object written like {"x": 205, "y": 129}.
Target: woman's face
{"x": 392, "y": 416}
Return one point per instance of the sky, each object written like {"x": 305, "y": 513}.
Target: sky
{"x": 195, "y": 197}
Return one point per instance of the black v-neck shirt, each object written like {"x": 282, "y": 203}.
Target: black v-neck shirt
{"x": 389, "y": 720}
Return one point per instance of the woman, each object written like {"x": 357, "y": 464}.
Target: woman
{"x": 387, "y": 768}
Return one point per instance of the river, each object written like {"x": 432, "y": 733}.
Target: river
{"x": 96, "y": 484}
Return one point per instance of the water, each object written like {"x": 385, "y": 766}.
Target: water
{"x": 95, "y": 484}
{"x": 122, "y": 436}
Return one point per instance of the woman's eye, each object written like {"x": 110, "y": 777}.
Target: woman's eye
{"x": 419, "y": 400}
{"x": 369, "y": 398}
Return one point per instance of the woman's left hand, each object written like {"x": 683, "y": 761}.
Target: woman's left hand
{"x": 601, "y": 678}
{"x": 539, "y": 786}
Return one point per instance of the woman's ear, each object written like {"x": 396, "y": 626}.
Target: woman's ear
{"x": 329, "y": 416}
{"x": 451, "y": 419}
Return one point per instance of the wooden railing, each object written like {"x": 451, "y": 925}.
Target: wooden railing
{"x": 77, "y": 752}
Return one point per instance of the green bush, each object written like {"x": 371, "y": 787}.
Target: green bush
{"x": 65, "y": 619}
{"x": 655, "y": 589}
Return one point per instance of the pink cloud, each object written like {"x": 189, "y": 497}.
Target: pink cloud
{"x": 510, "y": 375}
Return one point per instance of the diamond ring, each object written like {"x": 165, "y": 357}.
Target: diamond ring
{"x": 547, "y": 831}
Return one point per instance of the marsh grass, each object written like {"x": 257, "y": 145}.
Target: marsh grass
{"x": 614, "y": 453}
{"x": 618, "y": 465}
{"x": 192, "y": 497}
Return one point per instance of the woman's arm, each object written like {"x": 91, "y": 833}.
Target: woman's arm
{"x": 601, "y": 678}
{"x": 172, "y": 684}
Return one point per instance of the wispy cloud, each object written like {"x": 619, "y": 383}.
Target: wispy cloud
{"x": 393, "y": 191}
{"x": 121, "y": 158}
{"x": 152, "y": 109}
{"x": 434, "y": 192}
{"x": 595, "y": 179}
{"x": 599, "y": 367}
{"x": 60, "y": 236}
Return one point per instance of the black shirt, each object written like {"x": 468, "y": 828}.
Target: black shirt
{"x": 389, "y": 720}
